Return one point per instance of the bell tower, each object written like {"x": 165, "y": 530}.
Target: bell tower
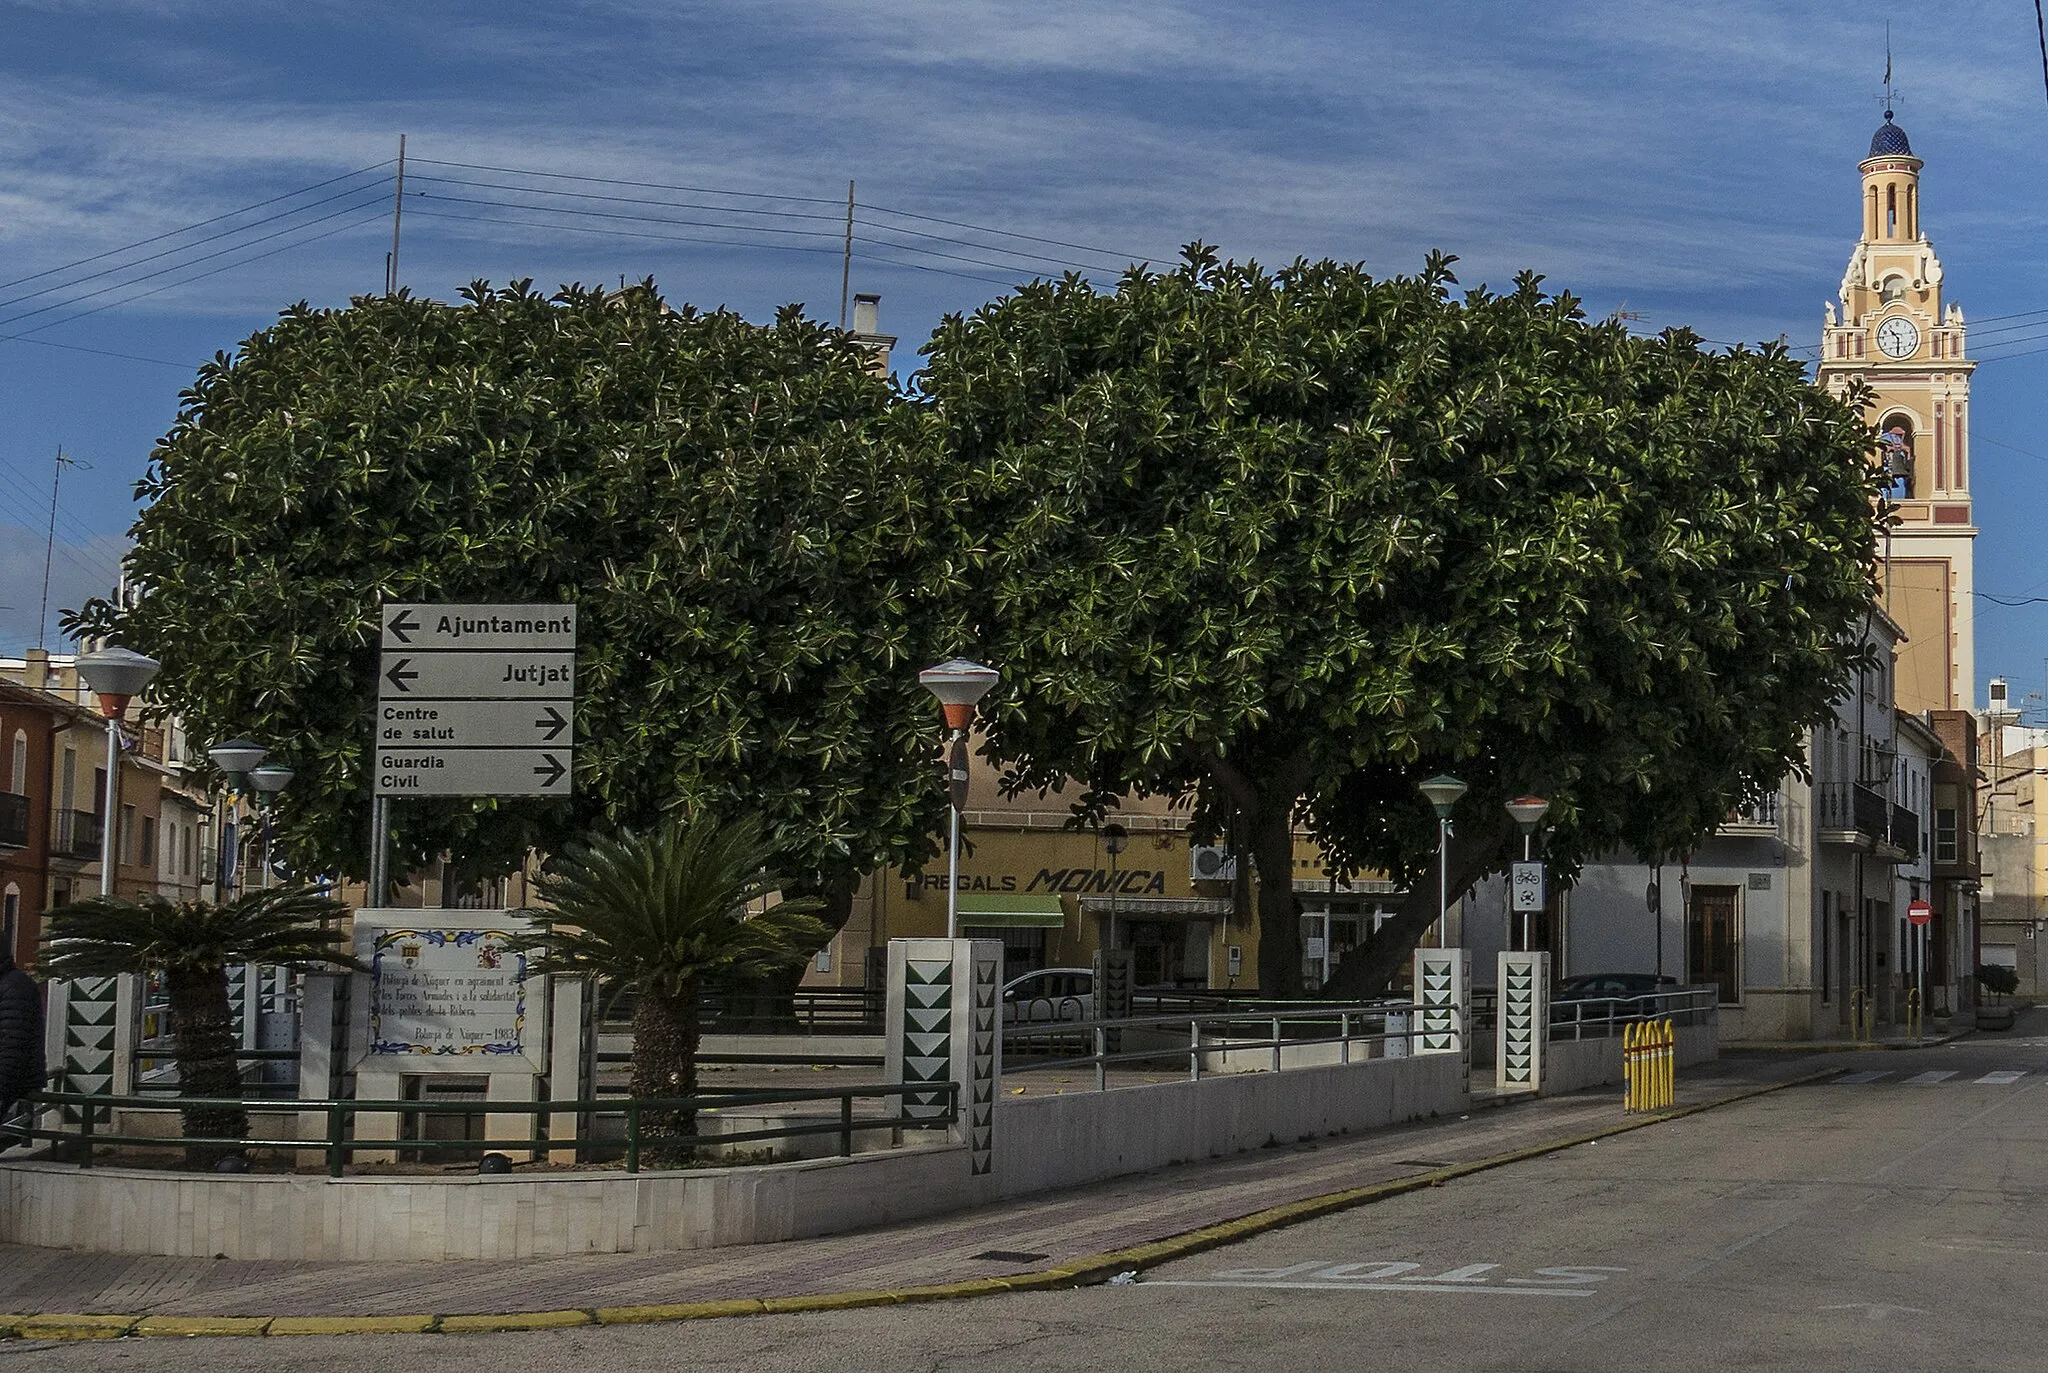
{"x": 1898, "y": 336}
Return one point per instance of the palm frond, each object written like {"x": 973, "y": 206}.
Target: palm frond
{"x": 291, "y": 927}
{"x": 685, "y": 901}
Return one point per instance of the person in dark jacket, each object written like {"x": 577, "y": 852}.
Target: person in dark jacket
{"x": 21, "y": 1045}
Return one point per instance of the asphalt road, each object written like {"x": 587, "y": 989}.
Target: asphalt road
{"x": 1893, "y": 1223}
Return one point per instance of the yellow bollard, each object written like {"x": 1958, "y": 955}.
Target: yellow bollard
{"x": 1628, "y": 1068}
{"x": 1668, "y": 1078}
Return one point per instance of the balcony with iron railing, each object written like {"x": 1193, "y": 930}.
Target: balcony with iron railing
{"x": 13, "y": 820}
{"x": 76, "y": 834}
{"x": 1854, "y": 812}
{"x": 1754, "y": 819}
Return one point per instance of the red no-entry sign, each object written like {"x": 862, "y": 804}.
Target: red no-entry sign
{"x": 1919, "y": 912}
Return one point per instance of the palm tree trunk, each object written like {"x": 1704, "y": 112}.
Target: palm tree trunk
{"x": 203, "y": 1027}
{"x": 665, "y": 1065}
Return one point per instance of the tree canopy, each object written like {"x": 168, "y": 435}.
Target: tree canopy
{"x": 1287, "y": 543}
{"x": 727, "y": 503}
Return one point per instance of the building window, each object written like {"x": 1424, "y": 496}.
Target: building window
{"x": 17, "y": 772}
{"x": 127, "y": 836}
{"x": 148, "y": 841}
{"x": 191, "y": 860}
{"x": 1714, "y": 940}
{"x": 1945, "y": 835}
{"x": 10, "y": 918}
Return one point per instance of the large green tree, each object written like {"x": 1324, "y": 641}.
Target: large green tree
{"x": 1287, "y": 543}
{"x": 729, "y": 504}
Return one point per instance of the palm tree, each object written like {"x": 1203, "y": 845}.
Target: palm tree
{"x": 192, "y": 943}
{"x": 657, "y": 914}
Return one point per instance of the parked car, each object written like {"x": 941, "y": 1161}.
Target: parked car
{"x": 1590, "y": 986}
{"x": 1049, "y": 994}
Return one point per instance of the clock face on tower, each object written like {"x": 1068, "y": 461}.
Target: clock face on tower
{"x": 1899, "y": 338}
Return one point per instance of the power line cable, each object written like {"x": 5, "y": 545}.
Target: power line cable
{"x": 184, "y": 248}
{"x": 621, "y": 215}
{"x": 796, "y": 199}
{"x": 200, "y": 276}
{"x": 12, "y": 320}
{"x": 626, "y": 199}
{"x": 200, "y": 224}
{"x": 694, "y": 238}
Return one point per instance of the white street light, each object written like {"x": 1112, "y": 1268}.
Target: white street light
{"x": 269, "y": 780}
{"x": 1115, "y": 839}
{"x": 1443, "y": 793}
{"x": 237, "y": 758}
{"x": 957, "y": 683}
{"x": 116, "y": 675}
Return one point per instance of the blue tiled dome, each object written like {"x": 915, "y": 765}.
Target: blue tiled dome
{"x": 1889, "y": 140}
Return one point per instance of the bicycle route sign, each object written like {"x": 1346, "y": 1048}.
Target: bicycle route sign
{"x": 476, "y": 700}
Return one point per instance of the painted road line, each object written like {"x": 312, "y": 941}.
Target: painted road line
{"x": 1862, "y": 1079}
{"x": 1928, "y": 1079}
{"x": 2004, "y": 1077}
{"x": 1465, "y": 1290}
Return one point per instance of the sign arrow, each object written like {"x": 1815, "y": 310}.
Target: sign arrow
{"x": 402, "y": 624}
{"x": 548, "y": 770}
{"x": 398, "y": 676}
{"x": 553, "y": 723}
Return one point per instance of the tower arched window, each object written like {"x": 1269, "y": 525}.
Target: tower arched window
{"x": 1895, "y": 437}
{"x": 1894, "y": 288}
{"x": 1891, "y": 212}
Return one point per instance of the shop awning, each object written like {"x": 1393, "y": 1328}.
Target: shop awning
{"x": 985, "y": 910}
{"x": 1160, "y": 907}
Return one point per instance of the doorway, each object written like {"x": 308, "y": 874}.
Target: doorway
{"x": 1714, "y": 940}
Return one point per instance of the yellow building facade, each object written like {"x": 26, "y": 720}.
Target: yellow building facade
{"x": 1897, "y": 334}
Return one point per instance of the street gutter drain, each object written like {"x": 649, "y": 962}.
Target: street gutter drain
{"x": 1010, "y": 1256}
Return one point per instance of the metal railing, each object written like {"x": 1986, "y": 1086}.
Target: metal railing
{"x": 1206, "y": 1041}
{"x": 1602, "y": 1017}
{"x": 13, "y": 820}
{"x": 76, "y": 1131}
{"x": 76, "y": 834}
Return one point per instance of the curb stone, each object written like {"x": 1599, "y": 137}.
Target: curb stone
{"x": 1083, "y": 1272}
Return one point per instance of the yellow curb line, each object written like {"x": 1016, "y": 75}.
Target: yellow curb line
{"x": 1079, "y": 1273}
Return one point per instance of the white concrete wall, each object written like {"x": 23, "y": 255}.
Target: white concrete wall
{"x": 1041, "y": 1143}
{"x": 1061, "y": 1141}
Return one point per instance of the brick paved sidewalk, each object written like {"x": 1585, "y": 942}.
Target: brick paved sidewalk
{"x": 1013, "y": 1237}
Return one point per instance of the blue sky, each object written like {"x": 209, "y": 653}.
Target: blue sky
{"x": 1694, "y": 164}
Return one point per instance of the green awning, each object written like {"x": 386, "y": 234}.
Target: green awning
{"x": 988, "y": 909}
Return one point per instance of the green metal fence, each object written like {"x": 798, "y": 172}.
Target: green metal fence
{"x": 74, "y": 1139}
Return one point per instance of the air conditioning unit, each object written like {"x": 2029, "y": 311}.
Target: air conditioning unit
{"x": 1211, "y": 863}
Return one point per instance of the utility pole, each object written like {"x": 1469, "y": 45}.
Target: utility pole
{"x": 397, "y": 221}
{"x": 846, "y": 258}
{"x": 50, "y": 543}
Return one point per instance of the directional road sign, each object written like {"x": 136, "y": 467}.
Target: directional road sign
{"x": 476, "y": 700}
{"x": 473, "y": 772}
{"x": 446, "y": 724}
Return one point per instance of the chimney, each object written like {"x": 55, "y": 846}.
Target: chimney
{"x": 867, "y": 325}
{"x": 35, "y": 674}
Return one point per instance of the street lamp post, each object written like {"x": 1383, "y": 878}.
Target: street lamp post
{"x": 958, "y": 684}
{"x": 1115, "y": 839}
{"x": 1443, "y": 793}
{"x": 238, "y": 760}
{"x": 1528, "y": 812}
{"x": 269, "y": 780}
{"x": 116, "y": 675}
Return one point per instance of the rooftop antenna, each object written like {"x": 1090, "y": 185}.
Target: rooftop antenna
{"x": 1891, "y": 97}
{"x": 64, "y": 460}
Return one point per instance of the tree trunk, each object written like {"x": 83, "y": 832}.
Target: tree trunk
{"x": 664, "y": 1067}
{"x": 203, "y": 1030}
{"x": 1367, "y": 970}
{"x": 1262, "y": 801}
{"x": 1272, "y": 844}
{"x": 767, "y": 1004}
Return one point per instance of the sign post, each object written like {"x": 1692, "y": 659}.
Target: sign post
{"x": 1527, "y": 885}
{"x": 1920, "y": 913}
{"x": 472, "y": 700}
